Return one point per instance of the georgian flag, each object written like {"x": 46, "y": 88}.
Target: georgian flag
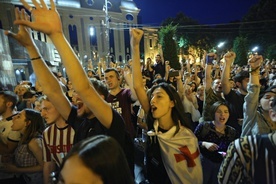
{"x": 180, "y": 155}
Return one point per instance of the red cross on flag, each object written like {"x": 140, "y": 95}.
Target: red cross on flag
{"x": 187, "y": 155}
{"x": 180, "y": 155}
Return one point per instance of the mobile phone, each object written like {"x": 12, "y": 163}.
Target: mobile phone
{"x": 173, "y": 73}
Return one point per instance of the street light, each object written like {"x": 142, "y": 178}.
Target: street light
{"x": 255, "y": 49}
{"x": 219, "y": 50}
{"x": 221, "y": 44}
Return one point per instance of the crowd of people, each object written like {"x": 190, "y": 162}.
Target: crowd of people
{"x": 210, "y": 122}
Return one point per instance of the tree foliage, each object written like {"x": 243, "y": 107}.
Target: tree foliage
{"x": 259, "y": 26}
{"x": 241, "y": 49}
{"x": 169, "y": 45}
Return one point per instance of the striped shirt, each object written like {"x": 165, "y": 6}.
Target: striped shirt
{"x": 250, "y": 159}
{"x": 57, "y": 142}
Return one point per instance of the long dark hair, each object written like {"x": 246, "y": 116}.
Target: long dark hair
{"x": 35, "y": 127}
{"x": 104, "y": 156}
{"x": 177, "y": 111}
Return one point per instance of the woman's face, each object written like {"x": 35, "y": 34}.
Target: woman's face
{"x": 161, "y": 105}
{"x": 193, "y": 87}
{"x": 19, "y": 121}
{"x": 266, "y": 99}
{"x": 222, "y": 114}
{"x": 69, "y": 85}
{"x": 80, "y": 174}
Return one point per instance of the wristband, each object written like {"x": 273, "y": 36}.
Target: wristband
{"x": 32, "y": 59}
{"x": 209, "y": 60}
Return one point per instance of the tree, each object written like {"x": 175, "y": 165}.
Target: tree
{"x": 259, "y": 25}
{"x": 169, "y": 45}
{"x": 270, "y": 52}
{"x": 241, "y": 49}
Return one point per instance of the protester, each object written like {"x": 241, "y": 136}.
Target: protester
{"x": 89, "y": 98}
{"x": 98, "y": 159}
{"x": 8, "y": 138}
{"x": 167, "y": 161}
{"x": 256, "y": 106}
{"x": 28, "y": 162}
{"x": 214, "y": 138}
{"x": 251, "y": 159}
{"x": 234, "y": 98}
{"x": 212, "y": 89}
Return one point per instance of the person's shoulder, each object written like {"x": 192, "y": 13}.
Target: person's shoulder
{"x": 48, "y": 128}
{"x": 35, "y": 141}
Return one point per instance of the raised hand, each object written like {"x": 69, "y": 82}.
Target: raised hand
{"x": 229, "y": 57}
{"x": 136, "y": 35}
{"x": 255, "y": 62}
{"x": 24, "y": 34}
{"x": 44, "y": 19}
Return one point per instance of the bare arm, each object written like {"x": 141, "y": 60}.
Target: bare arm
{"x": 51, "y": 85}
{"x": 48, "y": 21}
{"x": 129, "y": 81}
{"x": 180, "y": 88}
{"x": 48, "y": 168}
{"x": 208, "y": 71}
{"x": 35, "y": 147}
{"x": 136, "y": 36}
{"x": 228, "y": 61}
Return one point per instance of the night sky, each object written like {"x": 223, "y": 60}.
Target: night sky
{"x": 153, "y": 12}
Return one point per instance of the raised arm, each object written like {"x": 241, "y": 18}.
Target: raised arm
{"x": 136, "y": 36}
{"x": 229, "y": 58}
{"x": 129, "y": 81}
{"x": 51, "y": 86}
{"x": 254, "y": 70}
{"x": 48, "y": 21}
{"x": 208, "y": 71}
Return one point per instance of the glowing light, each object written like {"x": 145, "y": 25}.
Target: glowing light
{"x": 221, "y": 44}
{"x": 255, "y": 49}
{"x": 91, "y": 31}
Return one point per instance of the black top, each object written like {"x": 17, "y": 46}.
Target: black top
{"x": 90, "y": 127}
{"x": 156, "y": 172}
{"x": 85, "y": 128}
{"x": 159, "y": 68}
{"x": 235, "y": 101}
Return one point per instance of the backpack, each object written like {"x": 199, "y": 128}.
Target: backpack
{"x": 207, "y": 128}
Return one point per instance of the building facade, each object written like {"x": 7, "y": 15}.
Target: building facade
{"x": 96, "y": 29}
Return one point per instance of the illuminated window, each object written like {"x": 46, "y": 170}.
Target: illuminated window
{"x": 91, "y": 31}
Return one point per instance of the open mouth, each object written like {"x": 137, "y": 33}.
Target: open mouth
{"x": 222, "y": 119}
{"x": 153, "y": 108}
{"x": 79, "y": 104}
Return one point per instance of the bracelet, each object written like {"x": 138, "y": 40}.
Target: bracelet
{"x": 254, "y": 70}
{"x": 32, "y": 59}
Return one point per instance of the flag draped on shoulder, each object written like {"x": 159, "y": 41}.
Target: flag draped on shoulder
{"x": 180, "y": 155}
